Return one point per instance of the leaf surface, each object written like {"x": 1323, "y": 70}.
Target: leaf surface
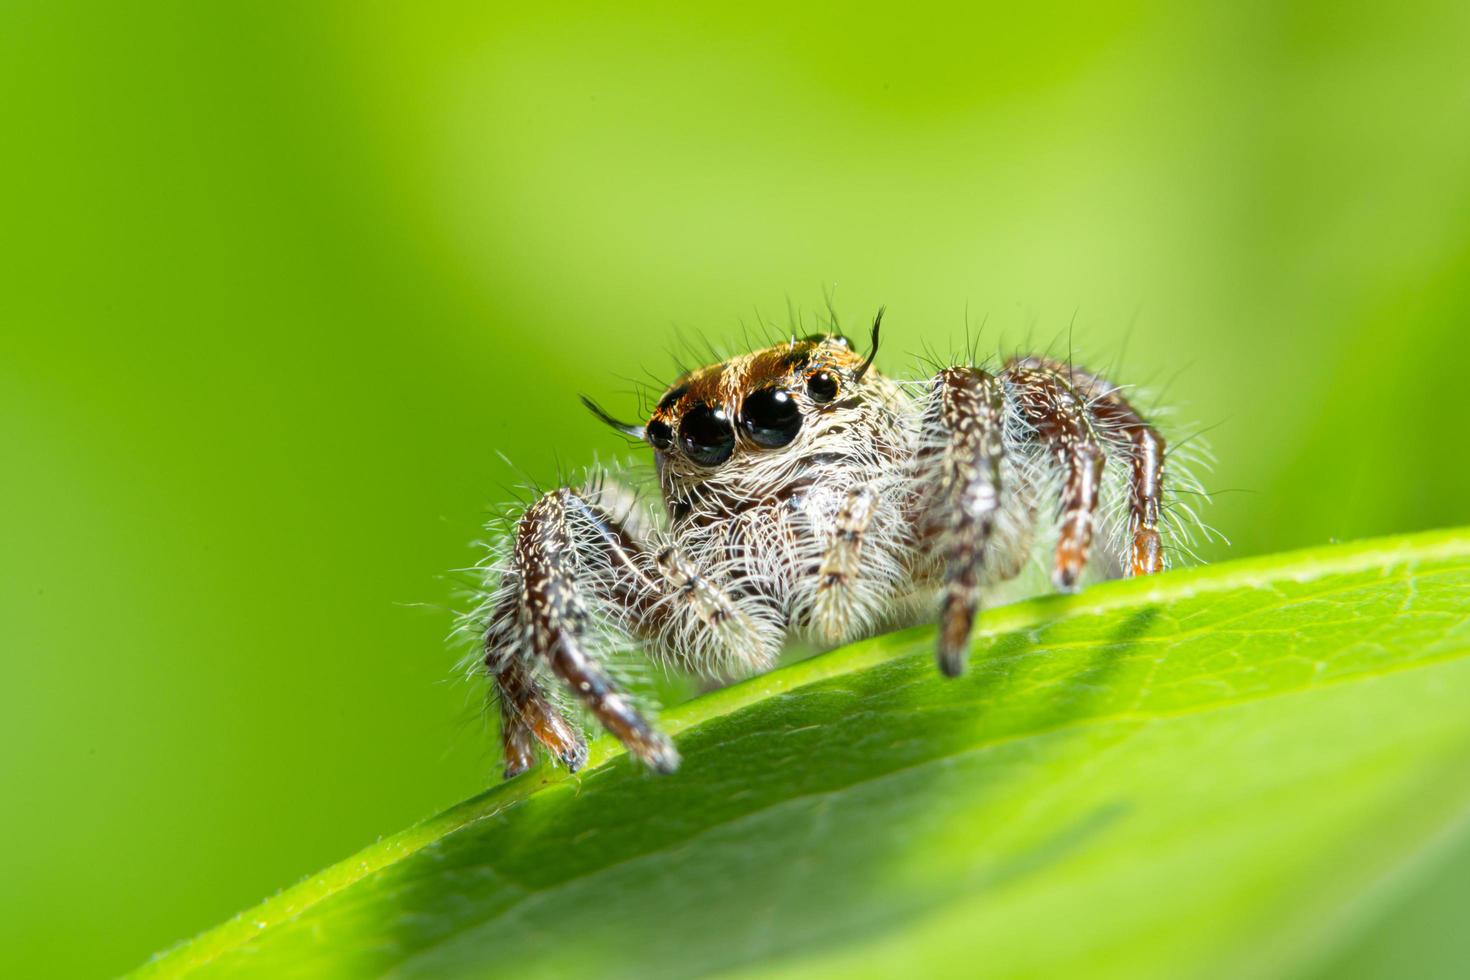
{"x": 1235, "y": 769}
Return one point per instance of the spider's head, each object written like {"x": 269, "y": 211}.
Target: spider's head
{"x": 753, "y": 405}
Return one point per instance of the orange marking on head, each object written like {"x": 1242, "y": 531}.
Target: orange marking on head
{"x": 726, "y": 383}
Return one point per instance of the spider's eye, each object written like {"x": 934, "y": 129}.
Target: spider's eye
{"x": 706, "y": 435}
{"x": 822, "y": 386}
{"x": 660, "y": 436}
{"x": 770, "y": 417}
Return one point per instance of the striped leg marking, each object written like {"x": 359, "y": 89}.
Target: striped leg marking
{"x": 1143, "y": 447}
{"x": 1064, "y": 425}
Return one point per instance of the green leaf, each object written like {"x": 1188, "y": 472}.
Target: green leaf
{"x": 1230, "y": 770}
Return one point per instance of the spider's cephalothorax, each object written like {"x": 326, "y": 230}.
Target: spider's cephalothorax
{"x": 806, "y": 495}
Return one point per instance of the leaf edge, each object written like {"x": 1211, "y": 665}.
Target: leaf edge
{"x": 1299, "y": 565}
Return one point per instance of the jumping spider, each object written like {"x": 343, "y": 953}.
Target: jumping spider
{"x": 806, "y": 495}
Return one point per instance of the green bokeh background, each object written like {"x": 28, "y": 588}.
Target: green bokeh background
{"x": 281, "y": 280}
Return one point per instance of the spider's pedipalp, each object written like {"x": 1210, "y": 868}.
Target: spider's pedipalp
{"x": 835, "y": 608}
{"x": 692, "y": 602}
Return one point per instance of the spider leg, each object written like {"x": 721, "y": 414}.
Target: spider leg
{"x": 552, "y": 572}
{"x": 960, "y": 472}
{"x": 1062, "y": 422}
{"x": 517, "y": 742}
{"x": 527, "y": 717}
{"x": 1144, "y": 449}
{"x": 963, "y": 433}
{"x": 576, "y": 571}
{"x": 835, "y": 603}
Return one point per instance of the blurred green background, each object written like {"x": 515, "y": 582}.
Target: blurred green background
{"x": 281, "y": 280}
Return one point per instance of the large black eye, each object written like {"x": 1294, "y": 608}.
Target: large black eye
{"x": 660, "y": 436}
{"x": 822, "y": 386}
{"x": 706, "y": 435}
{"x": 770, "y": 417}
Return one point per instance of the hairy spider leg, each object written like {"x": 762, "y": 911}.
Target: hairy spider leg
{"x": 964, "y": 424}
{"x": 568, "y": 550}
{"x": 558, "y": 617}
{"x": 527, "y": 717}
{"x": 1063, "y": 424}
{"x": 1144, "y": 449}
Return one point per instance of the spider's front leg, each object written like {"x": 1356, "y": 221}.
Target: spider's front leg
{"x": 959, "y": 472}
{"x": 577, "y": 569}
{"x": 527, "y": 716}
{"x": 567, "y": 551}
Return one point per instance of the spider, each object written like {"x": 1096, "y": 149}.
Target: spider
{"x": 805, "y": 496}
